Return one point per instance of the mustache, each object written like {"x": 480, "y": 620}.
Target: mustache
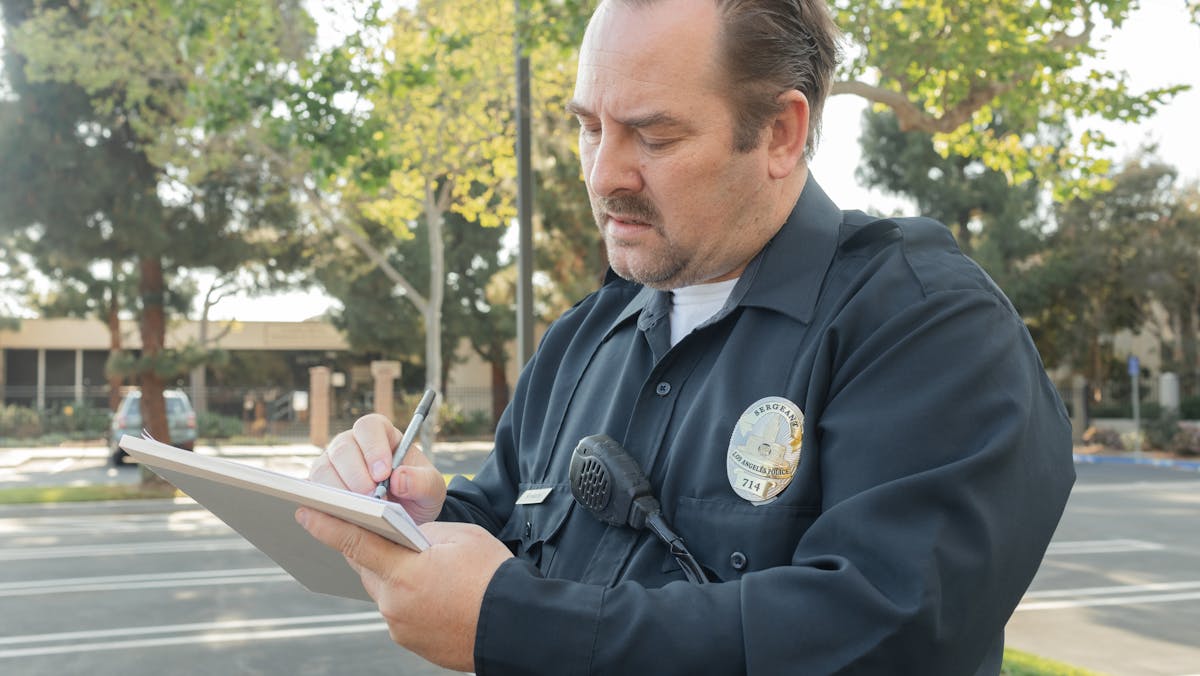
{"x": 636, "y": 207}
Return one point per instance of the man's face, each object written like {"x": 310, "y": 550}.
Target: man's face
{"x": 675, "y": 205}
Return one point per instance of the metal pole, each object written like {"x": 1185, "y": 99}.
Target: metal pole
{"x": 524, "y": 201}
{"x": 1137, "y": 418}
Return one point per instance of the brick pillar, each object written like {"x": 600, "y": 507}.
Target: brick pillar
{"x": 318, "y": 405}
{"x": 385, "y": 374}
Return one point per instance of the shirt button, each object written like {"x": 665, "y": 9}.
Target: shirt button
{"x": 528, "y": 529}
{"x": 738, "y": 561}
{"x": 663, "y": 389}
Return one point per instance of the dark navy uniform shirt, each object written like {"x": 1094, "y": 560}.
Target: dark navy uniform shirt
{"x": 935, "y": 464}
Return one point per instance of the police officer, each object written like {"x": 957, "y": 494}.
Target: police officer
{"x": 842, "y": 416}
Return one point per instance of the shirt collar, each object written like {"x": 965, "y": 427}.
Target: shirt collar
{"x": 785, "y": 276}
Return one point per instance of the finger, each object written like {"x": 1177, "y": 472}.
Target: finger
{"x": 322, "y": 472}
{"x": 421, "y": 490}
{"x": 360, "y": 546}
{"x": 376, "y": 439}
{"x": 417, "y": 483}
{"x": 345, "y": 465}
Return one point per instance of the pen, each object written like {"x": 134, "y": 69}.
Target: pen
{"x": 410, "y": 435}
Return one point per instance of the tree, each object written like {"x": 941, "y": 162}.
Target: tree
{"x": 971, "y": 199}
{"x": 1168, "y": 226}
{"x": 53, "y": 151}
{"x": 946, "y": 67}
{"x": 442, "y": 142}
{"x": 163, "y": 102}
{"x": 1090, "y": 282}
{"x": 478, "y": 307}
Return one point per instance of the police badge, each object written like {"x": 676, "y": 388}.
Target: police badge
{"x": 764, "y": 449}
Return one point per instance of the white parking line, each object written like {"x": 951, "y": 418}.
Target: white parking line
{"x": 1111, "y": 596}
{"x": 61, "y": 465}
{"x": 199, "y": 578}
{"x": 190, "y": 634}
{"x": 1139, "y": 486}
{"x": 1102, "y": 547}
{"x": 1116, "y": 589}
{"x": 128, "y": 549}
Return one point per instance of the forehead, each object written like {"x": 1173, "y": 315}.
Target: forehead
{"x": 649, "y": 54}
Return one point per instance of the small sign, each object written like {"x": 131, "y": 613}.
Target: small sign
{"x": 534, "y": 496}
{"x": 1134, "y": 368}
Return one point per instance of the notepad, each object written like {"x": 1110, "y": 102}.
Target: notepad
{"x": 261, "y": 505}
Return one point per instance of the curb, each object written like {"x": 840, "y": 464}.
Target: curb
{"x": 1091, "y": 459}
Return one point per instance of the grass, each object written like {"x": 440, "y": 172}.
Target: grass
{"x": 1017, "y": 663}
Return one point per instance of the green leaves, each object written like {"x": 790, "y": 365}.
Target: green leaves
{"x": 952, "y": 62}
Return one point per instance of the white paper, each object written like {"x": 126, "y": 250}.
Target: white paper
{"x": 261, "y": 506}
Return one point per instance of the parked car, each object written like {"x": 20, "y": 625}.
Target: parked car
{"x": 181, "y": 420}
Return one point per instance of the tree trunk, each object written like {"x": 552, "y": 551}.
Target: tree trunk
{"x": 198, "y": 379}
{"x": 154, "y": 331}
{"x": 499, "y": 390}
{"x": 1095, "y": 371}
{"x": 434, "y": 218}
{"x": 114, "y": 347}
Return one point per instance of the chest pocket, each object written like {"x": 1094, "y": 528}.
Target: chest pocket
{"x": 532, "y": 530}
{"x": 730, "y": 539}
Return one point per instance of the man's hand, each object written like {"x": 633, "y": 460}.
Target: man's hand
{"x": 430, "y": 600}
{"x": 359, "y": 458}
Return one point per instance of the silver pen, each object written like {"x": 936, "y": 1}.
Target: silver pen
{"x": 410, "y": 435}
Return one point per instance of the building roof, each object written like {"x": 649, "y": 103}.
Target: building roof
{"x": 92, "y": 334}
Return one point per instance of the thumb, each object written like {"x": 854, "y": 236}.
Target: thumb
{"x": 421, "y": 490}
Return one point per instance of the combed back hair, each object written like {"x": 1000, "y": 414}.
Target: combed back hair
{"x": 770, "y": 47}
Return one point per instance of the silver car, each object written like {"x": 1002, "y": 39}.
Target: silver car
{"x": 181, "y": 421}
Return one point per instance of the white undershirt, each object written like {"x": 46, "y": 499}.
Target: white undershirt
{"x": 693, "y": 305}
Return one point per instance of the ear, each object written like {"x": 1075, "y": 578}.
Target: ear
{"x": 789, "y": 134}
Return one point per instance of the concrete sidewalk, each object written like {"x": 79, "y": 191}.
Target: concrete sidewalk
{"x": 88, "y": 464}
{"x": 1146, "y": 460}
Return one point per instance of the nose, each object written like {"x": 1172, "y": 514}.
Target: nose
{"x": 612, "y": 167}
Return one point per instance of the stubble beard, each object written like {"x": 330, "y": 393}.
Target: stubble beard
{"x": 659, "y": 267}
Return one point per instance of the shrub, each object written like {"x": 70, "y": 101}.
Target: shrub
{"x": 1110, "y": 410}
{"x": 18, "y": 422}
{"x": 1104, "y": 437}
{"x": 1189, "y": 408}
{"x": 217, "y": 426}
{"x": 1186, "y": 441}
{"x": 452, "y": 421}
{"x": 1162, "y": 430}
{"x": 455, "y": 423}
{"x": 78, "y": 421}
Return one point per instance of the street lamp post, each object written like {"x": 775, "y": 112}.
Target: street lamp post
{"x": 524, "y": 199}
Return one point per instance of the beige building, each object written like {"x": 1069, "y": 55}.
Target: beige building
{"x": 47, "y": 362}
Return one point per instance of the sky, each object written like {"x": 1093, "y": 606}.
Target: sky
{"x": 1157, "y": 46}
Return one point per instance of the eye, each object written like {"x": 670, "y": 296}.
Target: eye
{"x": 589, "y": 131}
{"x": 655, "y": 144}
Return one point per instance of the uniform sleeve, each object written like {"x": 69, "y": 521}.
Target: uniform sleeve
{"x": 945, "y": 465}
{"x": 487, "y": 499}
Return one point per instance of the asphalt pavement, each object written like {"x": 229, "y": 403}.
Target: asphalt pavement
{"x": 126, "y": 587}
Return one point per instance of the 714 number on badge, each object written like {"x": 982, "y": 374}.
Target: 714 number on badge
{"x": 753, "y": 484}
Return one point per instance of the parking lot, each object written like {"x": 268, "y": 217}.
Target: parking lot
{"x": 147, "y": 587}
{"x": 1119, "y": 590}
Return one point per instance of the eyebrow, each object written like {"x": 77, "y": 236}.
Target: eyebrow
{"x": 654, "y": 119}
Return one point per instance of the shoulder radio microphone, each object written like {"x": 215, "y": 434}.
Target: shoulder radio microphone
{"x": 607, "y": 481}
